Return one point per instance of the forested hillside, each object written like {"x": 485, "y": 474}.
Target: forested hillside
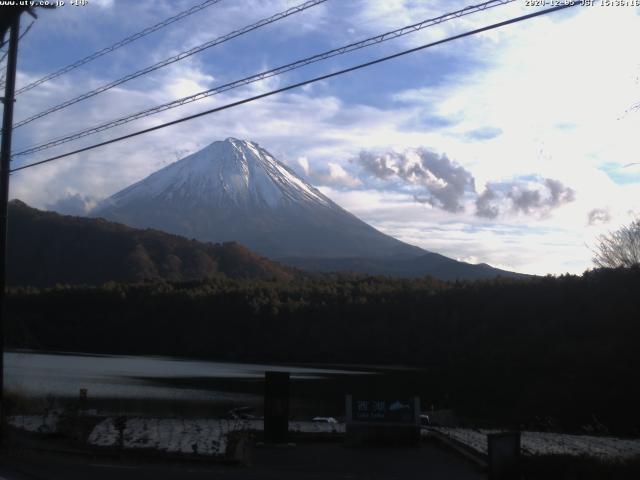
{"x": 566, "y": 347}
{"x": 47, "y": 249}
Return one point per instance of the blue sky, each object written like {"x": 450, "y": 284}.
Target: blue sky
{"x": 516, "y": 147}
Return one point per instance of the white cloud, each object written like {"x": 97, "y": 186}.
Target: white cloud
{"x": 338, "y": 175}
{"x": 103, "y": 3}
{"x": 73, "y": 204}
{"x": 378, "y": 17}
{"x": 304, "y": 163}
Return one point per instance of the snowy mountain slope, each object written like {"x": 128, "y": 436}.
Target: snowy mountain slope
{"x": 232, "y": 172}
{"x": 236, "y": 190}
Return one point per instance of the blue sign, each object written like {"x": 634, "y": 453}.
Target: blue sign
{"x": 398, "y": 410}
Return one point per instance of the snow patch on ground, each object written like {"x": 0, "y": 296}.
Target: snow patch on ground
{"x": 544, "y": 443}
{"x": 196, "y": 436}
{"x": 46, "y": 423}
{"x": 210, "y": 436}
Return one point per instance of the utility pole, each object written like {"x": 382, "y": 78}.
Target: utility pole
{"x": 5, "y": 159}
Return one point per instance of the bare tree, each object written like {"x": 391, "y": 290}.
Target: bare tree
{"x": 620, "y": 248}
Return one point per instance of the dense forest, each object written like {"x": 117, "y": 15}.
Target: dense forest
{"x": 508, "y": 349}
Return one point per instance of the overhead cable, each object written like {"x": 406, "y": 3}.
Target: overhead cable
{"x": 117, "y": 45}
{"x": 173, "y": 59}
{"x": 4, "y": 55}
{"x": 264, "y": 75}
{"x": 301, "y": 84}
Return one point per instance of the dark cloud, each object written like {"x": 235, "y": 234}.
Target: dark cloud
{"x": 75, "y": 204}
{"x": 377, "y": 165}
{"x": 446, "y": 184}
{"x": 560, "y": 194}
{"x": 537, "y": 196}
{"x": 444, "y": 181}
{"x": 598, "y": 216}
{"x": 485, "y": 204}
{"x": 525, "y": 201}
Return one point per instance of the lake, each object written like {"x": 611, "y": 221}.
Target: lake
{"x": 149, "y": 384}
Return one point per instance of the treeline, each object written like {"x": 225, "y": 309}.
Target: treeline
{"x": 564, "y": 347}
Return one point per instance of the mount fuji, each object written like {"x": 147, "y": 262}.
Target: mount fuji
{"x": 234, "y": 190}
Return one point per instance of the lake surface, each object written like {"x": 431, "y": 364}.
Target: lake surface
{"x": 149, "y": 378}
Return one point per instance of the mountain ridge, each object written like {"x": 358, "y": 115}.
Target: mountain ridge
{"x": 432, "y": 264}
{"x": 236, "y": 190}
{"x": 47, "y": 248}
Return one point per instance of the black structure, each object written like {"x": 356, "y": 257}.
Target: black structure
{"x": 9, "y": 20}
{"x": 12, "y": 21}
{"x": 276, "y": 407}
{"x": 504, "y": 456}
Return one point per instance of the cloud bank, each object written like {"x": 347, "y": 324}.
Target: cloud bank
{"x": 533, "y": 196}
{"x": 73, "y": 204}
{"x": 445, "y": 182}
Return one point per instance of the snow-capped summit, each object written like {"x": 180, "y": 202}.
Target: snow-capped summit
{"x": 231, "y": 173}
{"x": 234, "y": 190}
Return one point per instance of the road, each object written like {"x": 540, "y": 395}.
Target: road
{"x": 331, "y": 461}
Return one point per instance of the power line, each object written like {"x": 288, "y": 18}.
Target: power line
{"x": 22, "y": 35}
{"x": 175, "y": 58}
{"x": 301, "y": 84}
{"x": 266, "y": 74}
{"x": 121, "y": 43}
{"x": 4, "y": 55}
{"x": 26, "y": 30}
